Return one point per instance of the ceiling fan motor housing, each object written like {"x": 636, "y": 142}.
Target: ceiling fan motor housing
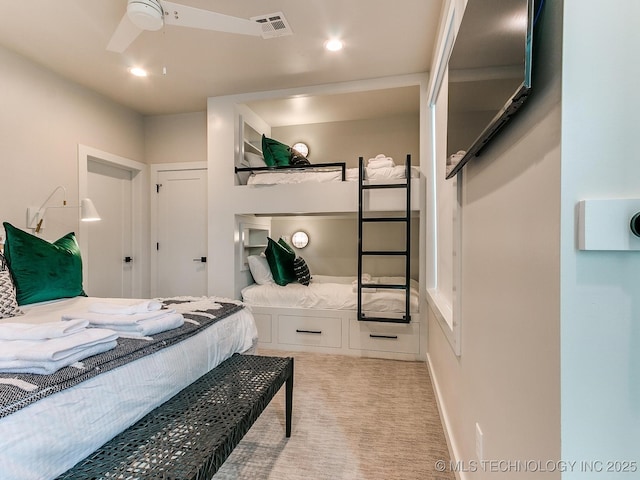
{"x": 145, "y": 14}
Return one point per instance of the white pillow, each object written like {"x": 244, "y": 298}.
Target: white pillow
{"x": 254, "y": 160}
{"x": 260, "y": 269}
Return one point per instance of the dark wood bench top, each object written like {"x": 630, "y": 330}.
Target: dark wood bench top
{"x": 191, "y": 435}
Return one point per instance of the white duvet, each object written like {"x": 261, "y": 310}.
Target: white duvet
{"x": 49, "y": 436}
{"x": 331, "y": 293}
{"x": 351, "y": 174}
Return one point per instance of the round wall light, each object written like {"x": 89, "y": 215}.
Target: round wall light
{"x": 300, "y": 239}
{"x": 302, "y": 148}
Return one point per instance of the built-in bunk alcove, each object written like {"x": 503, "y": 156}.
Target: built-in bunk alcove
{"x": 332, "y": 247}
{"x": 331, "y": 255}
{"x": 336, "y": 127}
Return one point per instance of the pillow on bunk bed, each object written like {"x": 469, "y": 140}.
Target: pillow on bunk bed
{"x": 41, "y": 270}
{"x": 280, "y": 259}
{"x": 275, "y": 153}
{"x": 259, "y": 268}
{"x": 8, "y": 302}
{"x": 253, "y": 160}
{"x": 301, "y": 269}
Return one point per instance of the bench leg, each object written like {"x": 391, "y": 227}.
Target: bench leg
{"x": 289, "y": 401}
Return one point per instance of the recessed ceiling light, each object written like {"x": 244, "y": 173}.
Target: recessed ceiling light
{"x": 138, "y": 72}
{"x": 333, "y": 45}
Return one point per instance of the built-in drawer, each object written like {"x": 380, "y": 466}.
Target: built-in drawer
{"x": 263, "y": 323}
{"x": 317, "y": 331}
{"x": 384, "y": 337}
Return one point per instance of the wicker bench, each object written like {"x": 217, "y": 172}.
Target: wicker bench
{"x": 191, "y": 435}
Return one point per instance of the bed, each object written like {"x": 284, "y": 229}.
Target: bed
{"x": 254, "y": 172}
{"x": 321, "y": 316}
{"x": 46, "y": 437}
{"x": 326, "y": 292}
{"x": 57, "y": 405}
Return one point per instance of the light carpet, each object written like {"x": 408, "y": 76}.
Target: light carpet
{"x": 353, "y": 418}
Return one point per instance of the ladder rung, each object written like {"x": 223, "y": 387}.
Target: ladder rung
{"x": 404, "y": 319}
{"x": 394, "y": 286}
{"x": 385, "y": 252}
{"x": 377, "y": 186}
{"x": 385, "y": 219}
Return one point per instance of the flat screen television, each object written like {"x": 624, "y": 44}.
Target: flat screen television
{"x": 489, "y": 74}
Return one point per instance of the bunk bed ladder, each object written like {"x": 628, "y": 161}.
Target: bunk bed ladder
{"x": 406, "y": 252}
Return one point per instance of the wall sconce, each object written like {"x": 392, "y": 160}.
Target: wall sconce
{"x": 301, "y": 148}
{"x": 300, "y": 239}
{"x": 35, "y": 217}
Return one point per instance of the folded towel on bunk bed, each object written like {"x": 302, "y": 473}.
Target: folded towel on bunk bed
{"x": 366, "y": 279}
{"x": 136, "y": 324}
{"x": 380, "y": 161}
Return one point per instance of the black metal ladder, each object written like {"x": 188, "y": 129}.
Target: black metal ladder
{"x": 405, "y": 252}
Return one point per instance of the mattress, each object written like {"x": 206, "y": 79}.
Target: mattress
{"x": 48, "y": 437}
{"x": 397, "y": 172}
{"x": 332, "y": 293}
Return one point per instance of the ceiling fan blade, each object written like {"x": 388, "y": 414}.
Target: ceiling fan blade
{"x": 184, "y": 16}
{"x": 125, "y": 34}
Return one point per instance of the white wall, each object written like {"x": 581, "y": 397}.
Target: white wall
{"x": 43, "y": 119}
{"x": 346, "y": 141}
{"x": 507, "y": 378}
{"x": 600, "y": 290}
{"x": 333, "y": 244}
{"x": 176, "y": 138}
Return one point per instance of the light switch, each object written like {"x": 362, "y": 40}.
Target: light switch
{"x": 605, "y": 224}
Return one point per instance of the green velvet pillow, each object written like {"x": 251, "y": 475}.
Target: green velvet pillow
{"x": 42, "y": 270}
{"x": 287, "y": 246}
{"x": 275, "y": 153}
{"x": 280, "y": 261}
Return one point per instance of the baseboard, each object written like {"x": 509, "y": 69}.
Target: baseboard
{"x": 454, "y": 451}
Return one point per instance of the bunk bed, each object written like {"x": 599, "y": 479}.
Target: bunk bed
{"x": 254, "y": 171}
{"x": 356, "y": 315}
{"x": 94, "y": 366}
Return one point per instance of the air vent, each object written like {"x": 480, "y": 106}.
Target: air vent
{"x": 273, "y": 25}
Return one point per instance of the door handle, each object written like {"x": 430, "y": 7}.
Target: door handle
{"x": 201, "y": 259}
{"x": 128, "y": 259}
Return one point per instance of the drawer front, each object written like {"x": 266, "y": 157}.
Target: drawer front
{"x": 318, "y": 331}
{"x": 263, "y": 322}
{"x": 384, "y": 337}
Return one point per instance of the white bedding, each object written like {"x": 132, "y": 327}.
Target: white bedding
{"x": 331, "y": 293}
{"x": 51, "y": 435}
{"x": 299, "y": 176}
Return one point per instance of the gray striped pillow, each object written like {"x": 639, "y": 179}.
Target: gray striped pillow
{"x": 8, "y": 302}
{"x": 301, "y": 270}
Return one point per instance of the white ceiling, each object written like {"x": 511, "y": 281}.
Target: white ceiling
{"x": 382, "y": 38}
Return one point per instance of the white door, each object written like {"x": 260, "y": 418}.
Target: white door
{"x": 181, "y": 237}
{"x": 110, "y": 254}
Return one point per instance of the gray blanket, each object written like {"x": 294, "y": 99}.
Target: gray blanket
{"x": 13, "y": 398}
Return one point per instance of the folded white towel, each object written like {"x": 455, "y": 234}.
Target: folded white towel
{"x": 381, "y": 163}
{"x": 40, "y": 331}
{"x": 44, "y": 367}
{"x": 100, "y": 319}
{"x": 120, "y": 309}
{"x": 366, "y": 279}
{"x": 144, "y": 328}
{"x": 454, "y": 159}
{"x": 54, "y": 349}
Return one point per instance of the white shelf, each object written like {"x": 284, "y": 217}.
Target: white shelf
{"x": 254, "y": 241}
{"x": 251, "y": 138}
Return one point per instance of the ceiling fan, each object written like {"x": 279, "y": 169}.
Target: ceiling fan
{"x": 151, "y": 15}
